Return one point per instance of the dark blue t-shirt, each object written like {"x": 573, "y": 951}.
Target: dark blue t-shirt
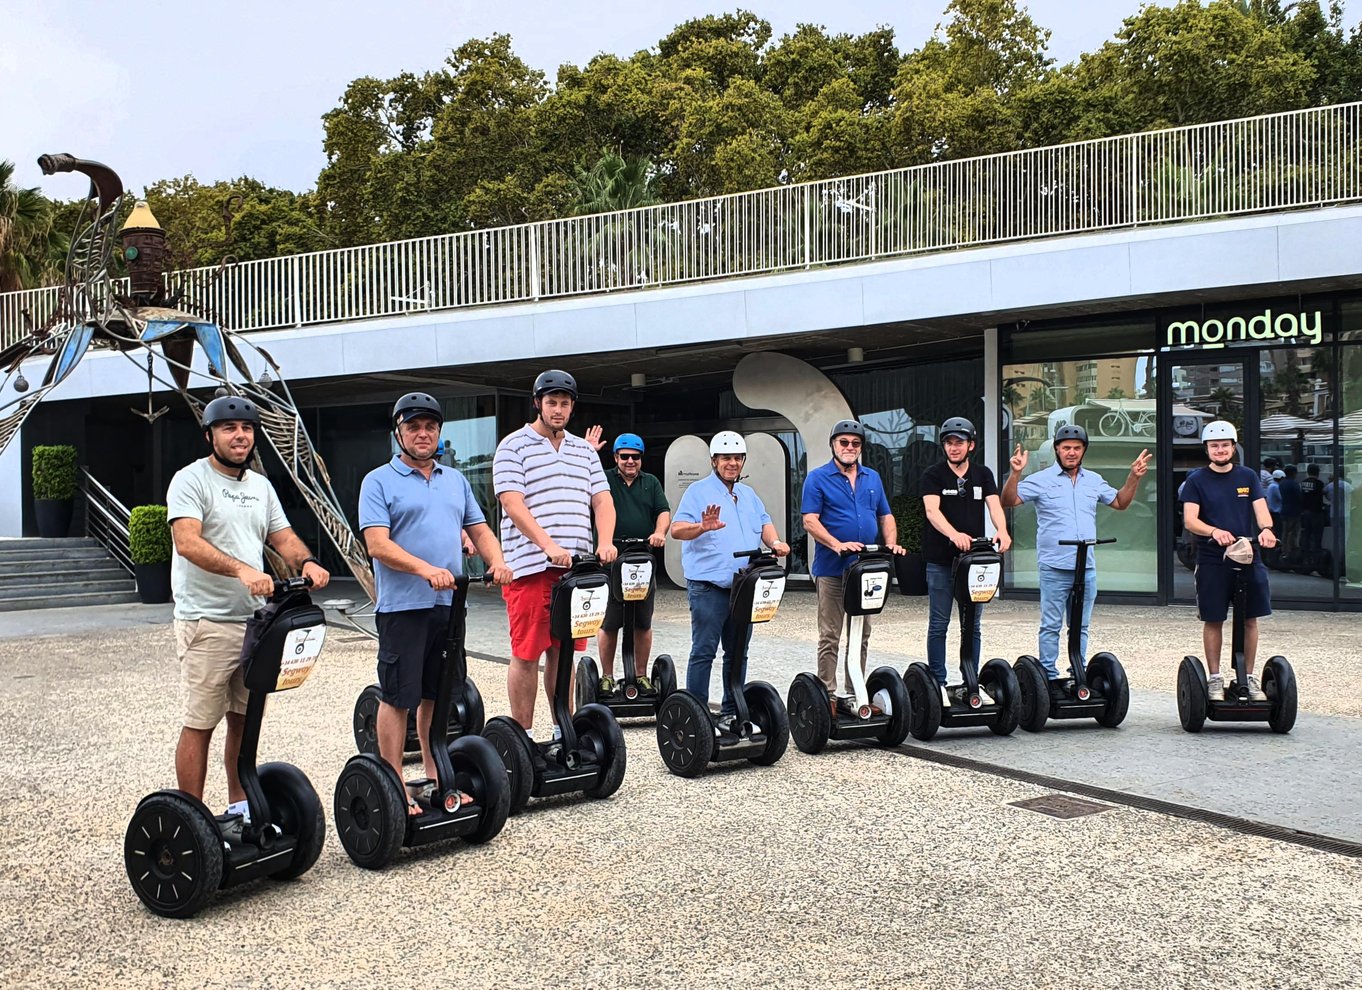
{"x": 1226, "y": 502}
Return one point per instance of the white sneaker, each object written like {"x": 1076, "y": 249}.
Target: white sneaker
{"x": 945, "y": 697}
{"x": 1255, "y": 690}
{"x": 1215, "y": 687}
{"x": 985, "y": 698}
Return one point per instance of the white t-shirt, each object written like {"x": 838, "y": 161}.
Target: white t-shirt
{"x": 237, "y": 517}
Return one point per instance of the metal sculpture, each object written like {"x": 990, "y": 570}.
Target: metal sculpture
{"x": 92, "y": 312}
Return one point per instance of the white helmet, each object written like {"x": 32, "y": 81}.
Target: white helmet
{"x": 727, "y": 442}
{"x": 1219, "y": 430}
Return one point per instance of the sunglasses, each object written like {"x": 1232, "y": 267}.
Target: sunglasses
{"x": 630, "y": 457}
{"x": 844, "y": 442}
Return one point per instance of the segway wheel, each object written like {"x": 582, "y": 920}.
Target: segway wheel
{"x": 1034, "y": 690}
{"x": 366, "y": 720}
{"x": 924, "y": 702}
{"x": 810, "y": 713}
{"x": 999, "y": 680}
{"x": 768, "y": 711}
{"x": 664, "y": 677}
{"x": 885, "y": 684}
{"x": 370, "y": 809}
{"x": 1279, "y": 684}
{"x": 173, "y": 854}
{"x": 597, "y": 725}
{"x": 1108, "y": 678}
{"x": 481, "y": 774}
{"x": 469, "y": 718}
{"x": 1192, "y": 698}
{"x": 296, "y": 809}
{"x": 513, "y": 746}
{"x": 685, "y": 734}
{"x": 588, "y": 682}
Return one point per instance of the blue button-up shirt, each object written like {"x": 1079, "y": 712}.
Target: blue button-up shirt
{"x": 424, "y": 518}
{"x": 850, "y": 515}
{"x": 1065, "y": 510}
{"x": 709, "y": 557}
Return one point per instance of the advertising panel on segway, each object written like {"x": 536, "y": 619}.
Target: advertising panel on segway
{"x": 689, "y": 736}
{"x": 590, "y": 757}
{"x": 177, "y": 852}
{"x": 878, "y": 707}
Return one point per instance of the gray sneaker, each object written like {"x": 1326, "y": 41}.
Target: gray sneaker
{"x": 1255, "y": 689}
{"x": 1215, "y": 687}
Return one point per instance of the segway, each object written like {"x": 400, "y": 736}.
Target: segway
{"x": 370, "y": 805}
{"x": 689, "y": 736}
{"x": 975, "y": 575}
{"x": 878, "y": 709}
{"x": 177, "y": 852}
{"x": 631, "y": 581}
{"x": 1279, "y": 680}
{"x": 590, "y": 756}
{"x": 1095, "y": 689}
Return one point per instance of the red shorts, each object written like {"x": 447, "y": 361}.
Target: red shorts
{"x": 527, "y": 608}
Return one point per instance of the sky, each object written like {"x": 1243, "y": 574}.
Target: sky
{"x": 159, "y": 90}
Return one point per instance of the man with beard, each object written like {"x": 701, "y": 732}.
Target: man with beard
{"x": 1066, "y": 496}
{"x": 221, "y": 515}
{"x": 550, "y": 485}
{"x": 845, "y": 507}
{"x": 415, "y": 514}
{"x": 719, "y": 516}
{"x": 1224, "y": 502}
{"x": 954, "y": 494}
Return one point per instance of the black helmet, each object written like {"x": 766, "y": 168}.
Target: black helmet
{"x": 957, "y": 426}
{"x": 1071, "y": 432}
{"x": 555, "y": 381}
{"x": 415, "y": 404}
{"x": 226, "y": 407}
{"x": 846, "y": 427}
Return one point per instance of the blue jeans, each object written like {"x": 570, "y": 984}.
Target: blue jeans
{"x": 1055, "y": 584}
{"x": 709, "y": 625}
{"x": 941, "y": 603}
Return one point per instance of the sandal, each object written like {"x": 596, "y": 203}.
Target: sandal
{"x": 413, "y": 809}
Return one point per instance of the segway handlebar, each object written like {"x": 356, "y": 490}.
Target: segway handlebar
{"x": 290, "y": 585}
{"x": 1086, "y": 543}
{"x": 761, "y": 551}
{"x": 872, "y": 549}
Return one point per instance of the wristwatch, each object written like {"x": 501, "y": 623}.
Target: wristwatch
{"x": 309, "y": 560}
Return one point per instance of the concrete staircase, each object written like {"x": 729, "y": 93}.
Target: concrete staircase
{"x": 40, "y": 573}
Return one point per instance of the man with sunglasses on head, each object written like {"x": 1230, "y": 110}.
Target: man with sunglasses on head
{"x": 845, "y": 507}
{"x": 641, "y": 513}
{"x": 955, "y": 493}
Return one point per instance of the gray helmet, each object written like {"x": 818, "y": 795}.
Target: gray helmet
{"x": 555, "y": 381}
{"x": 415, "y": 404}
{"x": 847, "y": 427}
{"x": 957, "y": 426}
{"x": 1071, "y": 432}
{"x": 228, "y": 407}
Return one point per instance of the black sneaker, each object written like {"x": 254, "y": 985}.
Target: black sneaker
{"x": 726, "y": 723}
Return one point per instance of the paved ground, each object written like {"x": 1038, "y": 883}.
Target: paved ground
{"x": 855, "y": 868}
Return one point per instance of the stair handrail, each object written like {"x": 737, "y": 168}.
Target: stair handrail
{"x": 106, "y": 519}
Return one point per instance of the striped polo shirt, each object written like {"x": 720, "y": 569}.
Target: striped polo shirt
{"x": 557, "y": 485}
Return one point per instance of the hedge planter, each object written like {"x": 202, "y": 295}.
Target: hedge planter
{"x": 53, "y": 516}
{"x": 153, "y": 583}
{"x": 911, "y": 570}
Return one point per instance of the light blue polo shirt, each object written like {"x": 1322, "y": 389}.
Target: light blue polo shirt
{"x": 1065, "y": 510}
{"x": 424, "y": 518}
{"x": 709, "y": 557}
{"x": 852, "y": 516}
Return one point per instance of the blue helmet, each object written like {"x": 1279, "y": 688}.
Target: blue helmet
{"x": 628, "y": 441}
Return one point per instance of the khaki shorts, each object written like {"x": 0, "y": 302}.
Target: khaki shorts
{"x": 211, "y": 680}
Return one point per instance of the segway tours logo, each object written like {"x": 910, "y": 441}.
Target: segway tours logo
{"x": 983, "y": 581}
{"x": 636, "y": 580}
{"x": 1266, "y": 326}
{"x": 766, "y": 597}
{"x": 588, "y": 611}
{"x": 873, "y": 589}
{"x": 301, "y": 649}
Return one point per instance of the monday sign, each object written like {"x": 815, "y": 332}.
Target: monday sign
{"x": 1266, "y": 327}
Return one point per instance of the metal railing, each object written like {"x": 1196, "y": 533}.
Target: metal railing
{"x": 106, "y": 519}
{"x": 1294, "y": 160}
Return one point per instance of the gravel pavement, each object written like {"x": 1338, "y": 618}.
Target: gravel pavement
{"x": 857, "y": 868}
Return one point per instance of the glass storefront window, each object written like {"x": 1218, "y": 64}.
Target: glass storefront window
{"x": 1112, "y": 397}
{"x": 1343, "y": 494}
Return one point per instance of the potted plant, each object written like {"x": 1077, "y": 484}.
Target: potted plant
{"x": 54, "y": 488}
{"x": 149, "y": 542}
{"x": 910, "y": 568}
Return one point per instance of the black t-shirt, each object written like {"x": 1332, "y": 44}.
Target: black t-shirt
{"x": 1226, "y": 502}
{"x": 962, "y": 503}
{"x": 1312, "y": 494}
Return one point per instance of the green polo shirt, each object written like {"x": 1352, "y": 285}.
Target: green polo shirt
{"x": 637, "y": 506}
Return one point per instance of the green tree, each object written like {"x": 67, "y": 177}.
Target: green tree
{"x": 32, "y": 247}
